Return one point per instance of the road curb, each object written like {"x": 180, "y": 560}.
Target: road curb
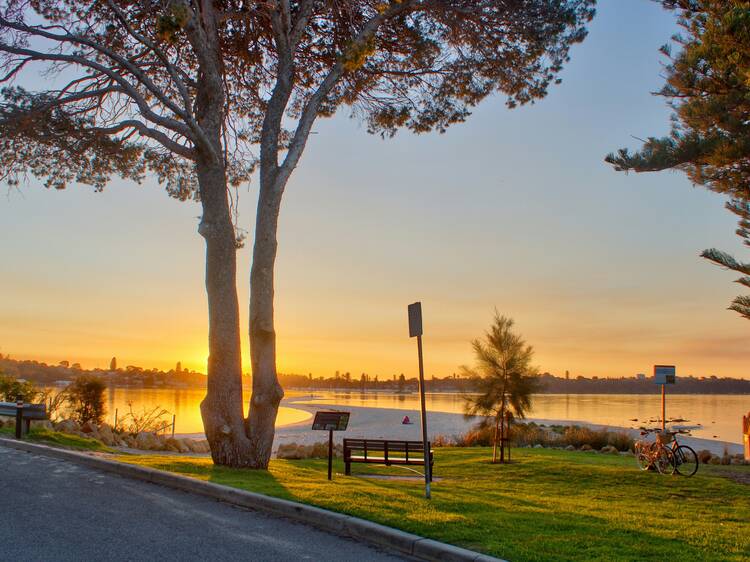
{"x": 336, "y": 523}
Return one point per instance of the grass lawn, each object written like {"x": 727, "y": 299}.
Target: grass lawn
{"x": 547, "y": 505}
{"x": 65, "y": 440}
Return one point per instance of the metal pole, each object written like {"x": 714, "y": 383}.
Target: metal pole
{"x": 173, "y": 418}
{"x": 663, "y": 407}
{"x": 330, "y": 452}
{"x": 19, "y": 417}
{"x": 427, "y": 475}
{"x": 115, "y": 426}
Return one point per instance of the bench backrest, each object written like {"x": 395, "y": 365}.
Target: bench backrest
{"x": 30, "y": 411}
{"x": 378, "y": 445}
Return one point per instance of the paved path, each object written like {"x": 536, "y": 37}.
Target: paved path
{"x": 54, "y": 510}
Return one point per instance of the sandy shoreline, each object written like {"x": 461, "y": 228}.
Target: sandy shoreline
{"x": 385, "y": 423}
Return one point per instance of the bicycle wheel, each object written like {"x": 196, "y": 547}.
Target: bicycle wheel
{"x": 685, "y": 460}
{"x": 664, "y": 461}
{"x": 643, "y": 460}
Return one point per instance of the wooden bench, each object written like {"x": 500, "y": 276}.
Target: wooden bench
{"x": 385, "y": 451}
{"x": 28, "y": 412}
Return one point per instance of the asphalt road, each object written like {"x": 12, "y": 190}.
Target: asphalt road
{"x": 54, "y": 510}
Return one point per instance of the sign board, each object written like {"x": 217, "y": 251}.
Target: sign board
{"x": 415, "y": 319}
{"x": 331, "y": 421}
{"x": 664, "y": 374}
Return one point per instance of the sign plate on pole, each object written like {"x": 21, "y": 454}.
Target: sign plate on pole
{"x": 415, "y": 330}
{"x": 665, "y": 374}
{"x": 331, "y": 421}
{"x": 415, "y": 319}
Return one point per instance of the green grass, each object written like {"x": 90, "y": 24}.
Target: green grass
{"x": 546, "y": 505}
{"x": 57, "y": 439}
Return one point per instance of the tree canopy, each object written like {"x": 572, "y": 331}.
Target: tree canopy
{"x": 128, "y": 72}
{"x": 708, "y": 87}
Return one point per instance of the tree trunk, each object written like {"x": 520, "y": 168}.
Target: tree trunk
{"x": 494, "y": 439}
{"x": 222, "y": 409}
{"x": 267, "y": 392}
{"x": 502, "y": 436}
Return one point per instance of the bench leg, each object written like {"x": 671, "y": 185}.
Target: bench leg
{"x": 348, "y": 469}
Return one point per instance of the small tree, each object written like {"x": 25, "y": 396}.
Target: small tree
{"x": 113, "y": 364}
{"x": 85, "y": 397}
{"x": 13, "y": 389}
{"x": 503, "y": 378}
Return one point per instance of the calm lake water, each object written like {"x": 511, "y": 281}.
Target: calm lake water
{"x": 720, "y": 416}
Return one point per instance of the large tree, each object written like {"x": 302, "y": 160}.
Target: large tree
{"x": 200, "y": 92}
{"x": 708, "y": 86}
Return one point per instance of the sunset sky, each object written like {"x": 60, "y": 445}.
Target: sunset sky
{"x": 514, "y": 210}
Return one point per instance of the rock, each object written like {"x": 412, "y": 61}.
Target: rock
{"x": 539, "y": 446}
{"x": 586, "y": 447}
{"x": 89, "y": 427}
{"x": 198, "y": 445}
{"x": 714, "y": 460}
{"x": 147, "y": 441}
{"x": 68, "y": 426}
{"x": 704, "y": 456}
{"x": 46, "y": 424}
{"x": 106, "y": 435}
{"x": 610, "y": 450}
{"x": 177, "y": 445}
{"x": 570, "y": 448}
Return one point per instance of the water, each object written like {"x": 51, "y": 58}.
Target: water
{"x": 183, "y": 403}
{"x": 720, "y": 416}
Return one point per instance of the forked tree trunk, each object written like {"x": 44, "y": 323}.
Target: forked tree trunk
{"x": 222, "y": 408}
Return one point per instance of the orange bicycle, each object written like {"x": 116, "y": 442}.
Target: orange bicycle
{"x": 653, "y": 455}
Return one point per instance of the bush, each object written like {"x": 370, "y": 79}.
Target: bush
{"x": 530, "y": 434}
{"x": 12, "y": 389}
{"x": 154, "y": 420}
{"x": 85, "y": 396}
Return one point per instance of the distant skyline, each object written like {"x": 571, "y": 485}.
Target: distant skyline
{"x": 513, "y": 210}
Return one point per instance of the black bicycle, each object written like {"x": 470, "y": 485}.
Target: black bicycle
{"x": 685, "y": 459}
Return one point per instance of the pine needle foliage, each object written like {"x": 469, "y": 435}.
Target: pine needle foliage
{"x": 708, "y": 87}
{"x": 503, "y": 378}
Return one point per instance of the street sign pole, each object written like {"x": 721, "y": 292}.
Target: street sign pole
{"x": 664, "y": 375}
{"x": 415, "y": 330}
{"x": 663, "y": 407}
{"x": 330, "y": 453}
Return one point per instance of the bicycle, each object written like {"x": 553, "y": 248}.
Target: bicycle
{"x": 684, "y": 457}
{"x": 654, "y": 455}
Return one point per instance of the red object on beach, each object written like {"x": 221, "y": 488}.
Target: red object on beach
{"x": 406, "y": 420}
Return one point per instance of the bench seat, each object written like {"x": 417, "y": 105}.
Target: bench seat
{"x": 386, "y": 452}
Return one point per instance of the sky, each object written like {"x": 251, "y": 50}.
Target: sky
{"x": 514, "y": 210}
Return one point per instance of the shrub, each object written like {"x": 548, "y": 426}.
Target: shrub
{"x": 704, "y": 456}
{"x": 152, "y": 421}
{"x": 12, "y": 389}
{"x": 85, "y": 396}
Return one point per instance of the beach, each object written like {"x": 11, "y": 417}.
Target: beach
{"x": 385, "y": 423}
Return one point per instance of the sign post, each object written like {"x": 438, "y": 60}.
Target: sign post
{"x": 664, "y": 375}
{"x": 415, "y": 330}
{"x": 330, "y": 422}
